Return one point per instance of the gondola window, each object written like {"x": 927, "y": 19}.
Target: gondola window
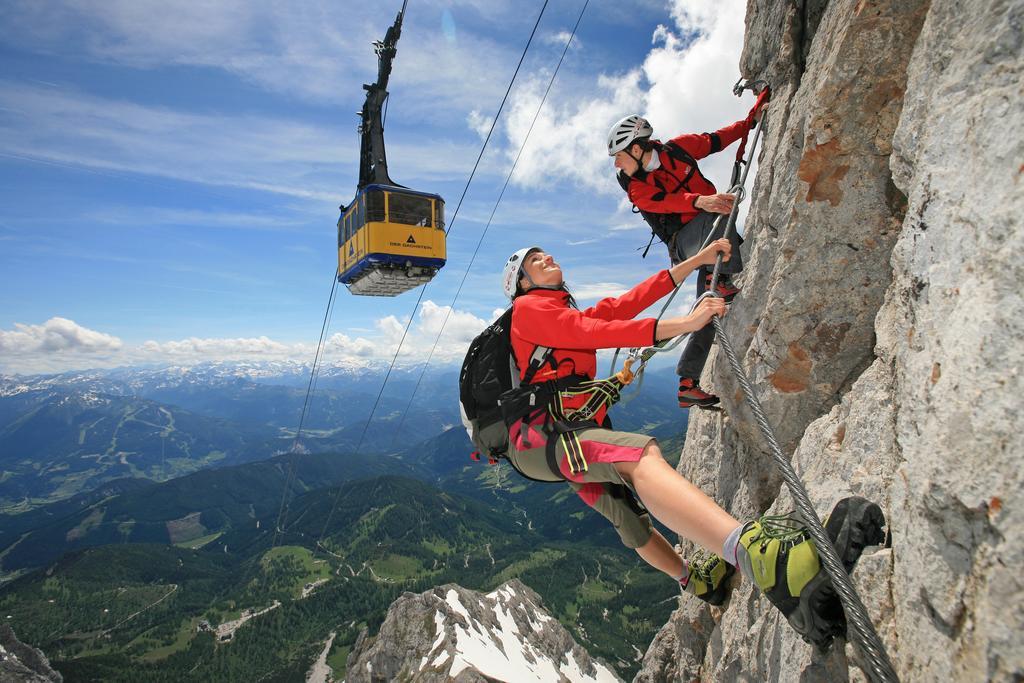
{"x": 374, "y": 208}
{"x": 409, "y": 209}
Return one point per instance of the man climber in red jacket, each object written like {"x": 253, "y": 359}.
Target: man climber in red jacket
{"x": 681, "y": 206}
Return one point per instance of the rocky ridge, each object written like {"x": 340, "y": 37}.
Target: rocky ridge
{"x": 881, "y": 325}
{"x": 20, "y": 663}
{"x": 450, "y": 633}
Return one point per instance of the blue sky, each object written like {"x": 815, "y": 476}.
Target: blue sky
{"x": 170, "y": 172}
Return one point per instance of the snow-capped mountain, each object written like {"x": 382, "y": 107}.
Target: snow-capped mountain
{"x": 450, "y": 633}
{"x": 270, "y": 392}
{"x": 66, "y": 433}
{"x": 137, "y": 379}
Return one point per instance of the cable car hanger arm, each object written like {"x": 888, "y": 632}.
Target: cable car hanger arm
{"x": 373, "y": 163}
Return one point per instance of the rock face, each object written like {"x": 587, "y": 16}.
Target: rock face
{"x": 882, "y": 327}
{"x": 453, "y": 634}
{"x": 20, "y": 663}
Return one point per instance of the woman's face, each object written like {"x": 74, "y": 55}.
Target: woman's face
{"x": 542, "y": 269}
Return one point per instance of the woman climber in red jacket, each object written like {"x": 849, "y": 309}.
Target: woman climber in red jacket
{"x": 624, "y": 476}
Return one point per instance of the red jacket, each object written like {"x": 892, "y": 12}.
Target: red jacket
{"x": 675, "y": 185}
{"x": 543, "y": 317}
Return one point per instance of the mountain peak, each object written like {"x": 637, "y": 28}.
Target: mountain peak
{"x": 451, "y": 633}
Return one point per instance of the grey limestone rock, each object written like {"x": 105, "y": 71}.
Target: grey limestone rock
{"x": 881, "y": 324}
{"x": 21, "y": 663}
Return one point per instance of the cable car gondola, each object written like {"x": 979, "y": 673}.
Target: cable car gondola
{"x": 390, "y": 238}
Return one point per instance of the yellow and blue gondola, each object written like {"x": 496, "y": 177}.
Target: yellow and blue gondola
{"x": 390, "y": 240}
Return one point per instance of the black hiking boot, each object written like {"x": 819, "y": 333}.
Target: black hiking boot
{"x": 709, "y": 578}
{"x": 783, "y": 561}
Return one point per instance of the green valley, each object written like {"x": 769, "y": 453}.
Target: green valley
{"x": 155, "y": 612}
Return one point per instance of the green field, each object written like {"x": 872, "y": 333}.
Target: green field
{"x": 298, "y": 565}
{"x": 197, "y": 543}
{"x": 397, "y": 567}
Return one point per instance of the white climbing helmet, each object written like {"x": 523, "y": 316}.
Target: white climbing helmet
{"x": 626, "y": 132}
{"x": 513, "y": 270}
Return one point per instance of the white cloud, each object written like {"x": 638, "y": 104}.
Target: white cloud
{"x": 320, "y": 52}
{"x": 60, "y": 344}
{"x": 309, "y": 50}
{"x": 568, "y": 139}
{"x": 561, "y": 38}
{"x": 219, "y": 349}
{"x": 162, "y": 216}
{"x": 237, "y": 150}
{"x": 277, "y": 46}
{"x": 479, "y": 124}
{"x": 342, "y": 346}
{"x": 681, "y": 87}
{"x": 460, "y": 328}
{"x": 261, "y": 153}
{"x": 459, "y": 331}
{"x": 66, "y": 127}
{"x": 56, "y": 336}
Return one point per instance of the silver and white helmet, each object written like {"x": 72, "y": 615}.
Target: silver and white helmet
{"x": 626, "y": 132}
{"x": 513, "y": 271}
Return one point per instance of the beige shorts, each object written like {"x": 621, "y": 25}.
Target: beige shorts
{"x": 600, "y": 486}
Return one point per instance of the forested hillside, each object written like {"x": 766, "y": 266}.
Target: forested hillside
{"x": 154, "y": 612}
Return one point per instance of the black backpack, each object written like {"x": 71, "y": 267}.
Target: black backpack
{"x": 488, "y": 371}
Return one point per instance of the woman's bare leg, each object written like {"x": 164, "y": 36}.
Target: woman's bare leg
{"x": 677, "y": 503}
{"x": 660, "y": 554}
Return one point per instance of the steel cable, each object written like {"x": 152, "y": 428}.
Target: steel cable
{"x": 857, "y": 616}
{"x": 866, "y": 636}
{"x": 314, "y": 373}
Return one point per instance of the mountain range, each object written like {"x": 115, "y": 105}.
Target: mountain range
{"x": 61, "y": 435}
{"x": 186, "y": 481}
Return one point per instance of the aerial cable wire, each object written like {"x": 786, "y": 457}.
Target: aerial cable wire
{"x": 451, "y": 225}
{"x": 494, "y": 123}
{"x": 479, "y": 243}
{"x": 313, "y": 373}
{"x": 317, "y": 361}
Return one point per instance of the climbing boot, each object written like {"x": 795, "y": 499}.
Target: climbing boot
{"x": 778, "y": 554}
{"x": 690, "y": 394}
{"x": 725, "y": 289}
{"x": 708, "y": 578}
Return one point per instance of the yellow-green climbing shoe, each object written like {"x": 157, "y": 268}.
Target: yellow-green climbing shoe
{"x": 709, "y": 578}
{"x": 778, "y": 554}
